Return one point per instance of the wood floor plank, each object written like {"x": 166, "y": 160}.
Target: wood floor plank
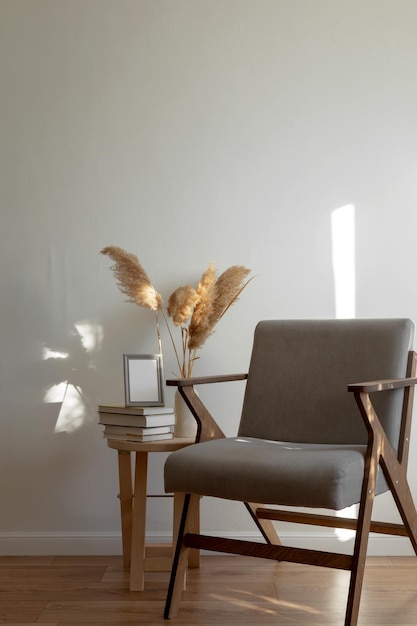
{"x": 26, "y": 561}
{"x": 243, "y": 610}
{"x": 63, "y": 592}
{"x": 54, "y": 574}
{"x": 18, "y": 611}
{"x": 93, "y": 591}
{"x": 99, "y": 560}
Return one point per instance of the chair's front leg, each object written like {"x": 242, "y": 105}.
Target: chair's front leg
{"x": 365, "y": 512}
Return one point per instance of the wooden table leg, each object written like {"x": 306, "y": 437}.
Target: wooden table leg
{"x": 137, "y": 562}
{"x": 194, "y": 521}
{"x": 194, "y": 512}
{"x": 126, "y": 500}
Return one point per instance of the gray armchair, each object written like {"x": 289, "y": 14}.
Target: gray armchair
{"x": 302, "y": 442}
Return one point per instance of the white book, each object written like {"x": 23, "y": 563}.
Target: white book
{"x": 134, "y": 410}
{"x": 139, "y": 421}
{"x": 136, "y": 430}
{"x": 139, "y": 438}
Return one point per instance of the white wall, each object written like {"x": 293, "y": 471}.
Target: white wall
{"x": 185, "y": 131}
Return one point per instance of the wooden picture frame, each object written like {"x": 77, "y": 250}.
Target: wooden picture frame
{"x": 143, "y": 379}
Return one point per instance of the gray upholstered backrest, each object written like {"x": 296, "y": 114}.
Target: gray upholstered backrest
{"x": 299, "y": 372}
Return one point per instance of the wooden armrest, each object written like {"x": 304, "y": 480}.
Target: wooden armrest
{"x": 207, "y": 427}
{"x": 203, "y": 380}
{"x": 382, "y": 385}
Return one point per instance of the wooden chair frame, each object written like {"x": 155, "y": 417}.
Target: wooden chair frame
{"x": 379, "y": 452}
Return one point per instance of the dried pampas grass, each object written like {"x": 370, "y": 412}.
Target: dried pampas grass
{"x": 199, "y": 328}
{"x": 181, "y": 304}
{"x": 195, "y": 311}
{"x": 132, "y": 279}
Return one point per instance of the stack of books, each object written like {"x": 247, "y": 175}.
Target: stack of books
{"x": 137, "y": 423}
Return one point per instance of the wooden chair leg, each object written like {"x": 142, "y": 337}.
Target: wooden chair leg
{"x": 179, "y": 565}
{"x": 362, "y": 536}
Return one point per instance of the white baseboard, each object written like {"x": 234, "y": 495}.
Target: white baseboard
{"x": 63, "y": 544}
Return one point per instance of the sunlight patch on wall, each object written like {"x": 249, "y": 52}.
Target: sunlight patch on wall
{"x": 72, "y": 413}
{"x": 91, "y": 335}
{"x": 74, "y": 375}
{"x": 343, "y": 250}
{"x": 344, "y": 534}
{"x": 55, "y": 393}
{"x": 51, "y": 354}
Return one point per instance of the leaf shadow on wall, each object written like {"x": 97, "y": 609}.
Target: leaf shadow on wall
{"x": 71, "y": 372}
{"x": 85, "y": 368}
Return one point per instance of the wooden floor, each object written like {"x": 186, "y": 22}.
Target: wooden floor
{"x": 93, "y": 591}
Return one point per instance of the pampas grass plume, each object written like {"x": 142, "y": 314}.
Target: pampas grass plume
{"x": 132, "y": 278}
{"x": 181, "y": 304}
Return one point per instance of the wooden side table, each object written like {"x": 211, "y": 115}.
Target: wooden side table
{"x": 136, "y": 554}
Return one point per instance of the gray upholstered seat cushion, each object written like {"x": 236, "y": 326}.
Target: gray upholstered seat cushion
{"x": 270, "y": 472}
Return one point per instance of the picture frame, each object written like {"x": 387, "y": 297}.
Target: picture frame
{"x": 143, "y": 379}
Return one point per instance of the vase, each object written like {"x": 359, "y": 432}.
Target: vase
{"x": 185, "y": 422}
